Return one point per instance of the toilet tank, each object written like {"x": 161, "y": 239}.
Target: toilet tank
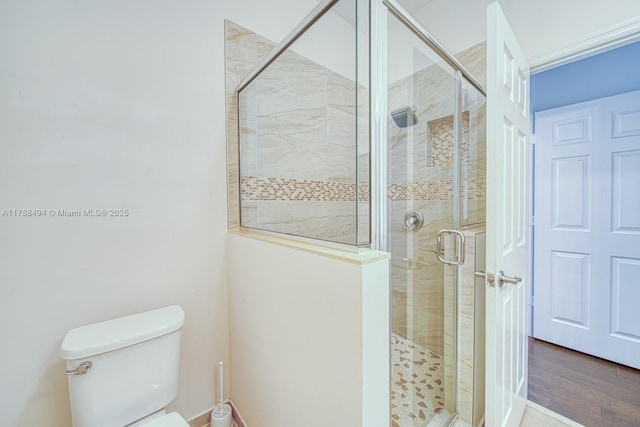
{"x": 135, "y": 363}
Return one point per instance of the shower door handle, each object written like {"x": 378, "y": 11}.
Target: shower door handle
{"x": 459, "y": 258}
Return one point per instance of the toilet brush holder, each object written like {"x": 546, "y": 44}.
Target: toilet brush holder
{"x": 221, "y": 414}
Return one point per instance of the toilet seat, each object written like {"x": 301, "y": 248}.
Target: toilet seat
{"x": 172, "y": 419}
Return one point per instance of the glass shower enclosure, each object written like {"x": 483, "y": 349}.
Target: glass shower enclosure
{"x": 360, "y": 129}
{"x": 435, "y": 164}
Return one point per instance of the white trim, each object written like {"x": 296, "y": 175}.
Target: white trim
{"x": 378, "y": 110}
{"x": 615, "y": 36}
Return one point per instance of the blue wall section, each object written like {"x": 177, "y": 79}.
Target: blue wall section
{"x": 610, "y": 73}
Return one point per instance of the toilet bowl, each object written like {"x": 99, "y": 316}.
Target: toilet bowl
{"x": 172, "y": 419}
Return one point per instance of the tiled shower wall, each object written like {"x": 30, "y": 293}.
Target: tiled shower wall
{"x": 300, "y": 171}
{"x": 421, "y": 178}
{"x": 243, "y": 50}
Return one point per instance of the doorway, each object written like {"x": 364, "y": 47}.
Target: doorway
{"x": 583, "y": 186}
{"x": 587, "y": 256}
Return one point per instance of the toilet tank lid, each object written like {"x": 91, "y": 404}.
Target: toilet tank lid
{"x": 113, "y": 334}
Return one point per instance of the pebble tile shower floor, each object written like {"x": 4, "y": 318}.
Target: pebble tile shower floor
{"x": 417, "y": 387}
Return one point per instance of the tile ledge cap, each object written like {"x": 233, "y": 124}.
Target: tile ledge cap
{"x": 360, "y": 256}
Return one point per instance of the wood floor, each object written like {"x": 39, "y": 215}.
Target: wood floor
{"x": 588, "y": 390}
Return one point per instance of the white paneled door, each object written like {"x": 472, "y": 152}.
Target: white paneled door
{"x": 587, "y": 228}
{"x": 507, "y": 223}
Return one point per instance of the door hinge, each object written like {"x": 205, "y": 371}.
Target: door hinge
{"x": 533, "y": 139}
{"x": 532, "y": 220}
{"x": 531, "y": 301}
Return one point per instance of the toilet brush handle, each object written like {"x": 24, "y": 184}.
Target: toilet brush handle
{"x": 221, "y": 380}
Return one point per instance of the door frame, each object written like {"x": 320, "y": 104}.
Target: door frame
{"x": 617, "y": 35}
{"x": 602, "y": 41}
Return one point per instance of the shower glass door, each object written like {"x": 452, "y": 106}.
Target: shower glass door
{"x": 422, "y": 199}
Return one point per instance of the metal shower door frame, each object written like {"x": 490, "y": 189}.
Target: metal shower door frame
{"x": 378, "y": 85}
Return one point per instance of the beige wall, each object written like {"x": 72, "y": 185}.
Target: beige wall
{"x": 309, "y": 336}
{"x": 114, "y": 105}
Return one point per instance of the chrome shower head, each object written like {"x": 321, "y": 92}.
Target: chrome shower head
{"x": 404, "y": 116}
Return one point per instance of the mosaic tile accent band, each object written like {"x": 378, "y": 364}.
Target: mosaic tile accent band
{"x": 473, "y": 189}
{"x": 431, "y": 190}
{"x": 287, "y": 189}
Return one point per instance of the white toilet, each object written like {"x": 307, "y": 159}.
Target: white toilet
{"x": 123, "y": 372}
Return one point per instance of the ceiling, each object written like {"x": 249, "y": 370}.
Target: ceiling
{"x": 541, "y": 26}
